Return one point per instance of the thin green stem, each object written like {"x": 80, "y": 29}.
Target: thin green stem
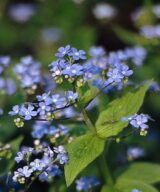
{"x": 104, "y": 168}
{"x": 87, "y": 120}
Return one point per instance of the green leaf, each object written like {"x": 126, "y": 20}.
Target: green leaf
{"x": 88, "y": 96}
{"x": 128, "y": 185}
{"x": 145, "y": 172}
{"x": 134, "y": 39}
{"x": 82, "y": 151}
{"x": 109, "y": 121}
{"x": 106, "y": 188}
{"x": 7, "y": 164}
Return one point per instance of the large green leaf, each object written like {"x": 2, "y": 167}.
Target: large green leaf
{"x": 128, "y": 185}
{"x": 145, "y": 172}
{"x": 109, "y": 122}
{"x": 106, "y": 188}
{"x": 82, "y": 151}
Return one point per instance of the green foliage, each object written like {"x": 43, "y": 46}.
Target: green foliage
{"x": 128, "y": 185}
{"x": 7, "y": 164}
{"x": 88, "y": 96}
{"x": 109, "y": 121}
{"x": 133, "y": 38}
{"x": 143, "y": 172}
{"x": 82, "y": 151}
{"x": 106, "y": 188}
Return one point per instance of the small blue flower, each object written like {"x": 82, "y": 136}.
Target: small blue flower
{"x": 73, "y": 70}
{"x": 43, "y": 108}
{"x": 97, "y": 52}
{"x": 115, "y": 76}
{"x": 126, "y": 72}
{"x": 37, "y": 165}
{"x": 86, "y": 183}
{"x": 71, "y": 96}
{"x": 19, "y": 157}
{"x": 77, "y": 55}
{"x": 43, "y": 176}
{"x": 63, "y": 51}
{"x": 60, "y": 149}
{"x": 135, "y": 152}
{"x": 56, "y": 101}
{"x": 28, "y": 112}
{"x": 15, "y": 110}
{"x": 139, "y": 121}
{"x": 24, "y": 172}
{"x": 43, "y": 97}
{"x": 54, "y": 170}
{"x": 63, "y": 158}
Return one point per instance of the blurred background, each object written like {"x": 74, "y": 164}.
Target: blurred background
{"x": 39, "y": 27}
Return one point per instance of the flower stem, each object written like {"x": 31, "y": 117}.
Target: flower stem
{"x": 105, "y": 169}
{"x": 87, "y": 120}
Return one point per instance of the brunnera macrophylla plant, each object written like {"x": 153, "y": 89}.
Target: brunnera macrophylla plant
{"x": 52, "y": 113}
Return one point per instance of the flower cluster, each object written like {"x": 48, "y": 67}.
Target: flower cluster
{"x": 66, "y": 66}
{"x": 45, "y": 108}
{"x": 86, "y": 183}
{"x": 28, "y": 71}
{"x": 4, "y": 62}
{"x": 21, "y": 12}
{"x": 40, "y": 129}
{"x": 112, "y": 68}
{"x": 150, "y": 31}
{"x": 41, "y": 160}
{"x": 7, "y": 85}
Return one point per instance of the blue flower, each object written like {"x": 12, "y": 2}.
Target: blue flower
{"x": 125, "y": 71}
{"x": 135, "y": 152}
{"x": 37, "y": 165}
{"x": 61, "y": 154}
{"x": 63, "y": 51}
{"x": 86, "y": 183}
{"x": 73, "y": 70}
{"x": 24, "y": 153}
{"x": 97, "y": 52}
{"x": 71, "y": 96}
{"x": 23, "y": 173}
{"x": 15, "y": 110}
{"x": 77, "y": 54}
{"x": 43, "y": 176}
{"x": 60, "y": 149}
{"x": 43, "y": 108}
{"x": 139, "y": 121}
{"x": 28, "y": 112}
{"x": 43, "y": 97}
{"x": 54, "y": 170}
{"x": 63, "y": 158}
{"x": 57, "y": 67}
{"x": 56, "y": 101}
{"x": 19, "y": 157}
{"x": 28, "y": 71}
{"x": 115, "y": 76}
